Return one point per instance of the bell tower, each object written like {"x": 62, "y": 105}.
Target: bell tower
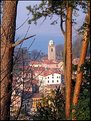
{"x": 51, "y": 51}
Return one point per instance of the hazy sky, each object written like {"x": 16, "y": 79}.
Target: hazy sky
{"x": 44, "y": 32}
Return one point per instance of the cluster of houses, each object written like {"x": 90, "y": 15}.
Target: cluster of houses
{"x": 38, "y": 79}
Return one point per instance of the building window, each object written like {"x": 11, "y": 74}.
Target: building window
{"x": 57, "y": 81}
{"x": 48, "y": 81}
{"x": 52, "y": 80}
{"x": 48, "y": 77}
{"x": 51, "y": 49}
{"x": 52, "y": 76}
{"x": 57, "y": 76}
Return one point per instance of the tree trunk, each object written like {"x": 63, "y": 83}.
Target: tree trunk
{"x": 65, "y": 51}
{"x": 7, "y": 39}
{"x": 68, "y": 60}
{"x": 84, "y": 48}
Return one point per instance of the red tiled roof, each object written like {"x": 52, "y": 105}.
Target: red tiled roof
{"x": 35, "y": 81}
{"x": 44, "y": 61}
{"x": 51, "y": 71}
{"x": 38, "y": 70}
{"x": 53, "y": 85}
{"x": 35, "y": 62}
{"x": 49, "y": 62}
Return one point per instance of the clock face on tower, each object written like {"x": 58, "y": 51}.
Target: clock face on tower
{"x": 51, "y": 42}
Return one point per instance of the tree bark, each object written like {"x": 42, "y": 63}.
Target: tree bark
{"x": 7, "y": 39}
{"x": 68, "y": 61}
{"x": 65, "y": 51}
{"x": 84, "y": 48}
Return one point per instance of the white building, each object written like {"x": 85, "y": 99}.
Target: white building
{"x": 54, "y": 78}
{"x": 50, "y": 78}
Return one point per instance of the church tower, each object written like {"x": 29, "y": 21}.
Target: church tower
{"x": 51, "y": 51}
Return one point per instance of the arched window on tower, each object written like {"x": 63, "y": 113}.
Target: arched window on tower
{"x": 51, "y": 49}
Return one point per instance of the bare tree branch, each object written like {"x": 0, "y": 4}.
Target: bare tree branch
{"x": 22, "y": 24}
{"x": 61, "y": 25}
{"x": 20, "y": 41}
{"x": 28, "y": 70}
{"x": 22, "y": 91}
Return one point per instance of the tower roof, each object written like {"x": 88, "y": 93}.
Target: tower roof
{"x": 51, "y": 42}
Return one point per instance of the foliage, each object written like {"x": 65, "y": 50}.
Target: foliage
{"x": 54, "y": 107}
{"x": 85, "y": 6}
{"x": 83, "y": 107}
{"x": 86, "y": 69}
{"x": 48, "y": 8}
{"x": 74, "y": 67}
